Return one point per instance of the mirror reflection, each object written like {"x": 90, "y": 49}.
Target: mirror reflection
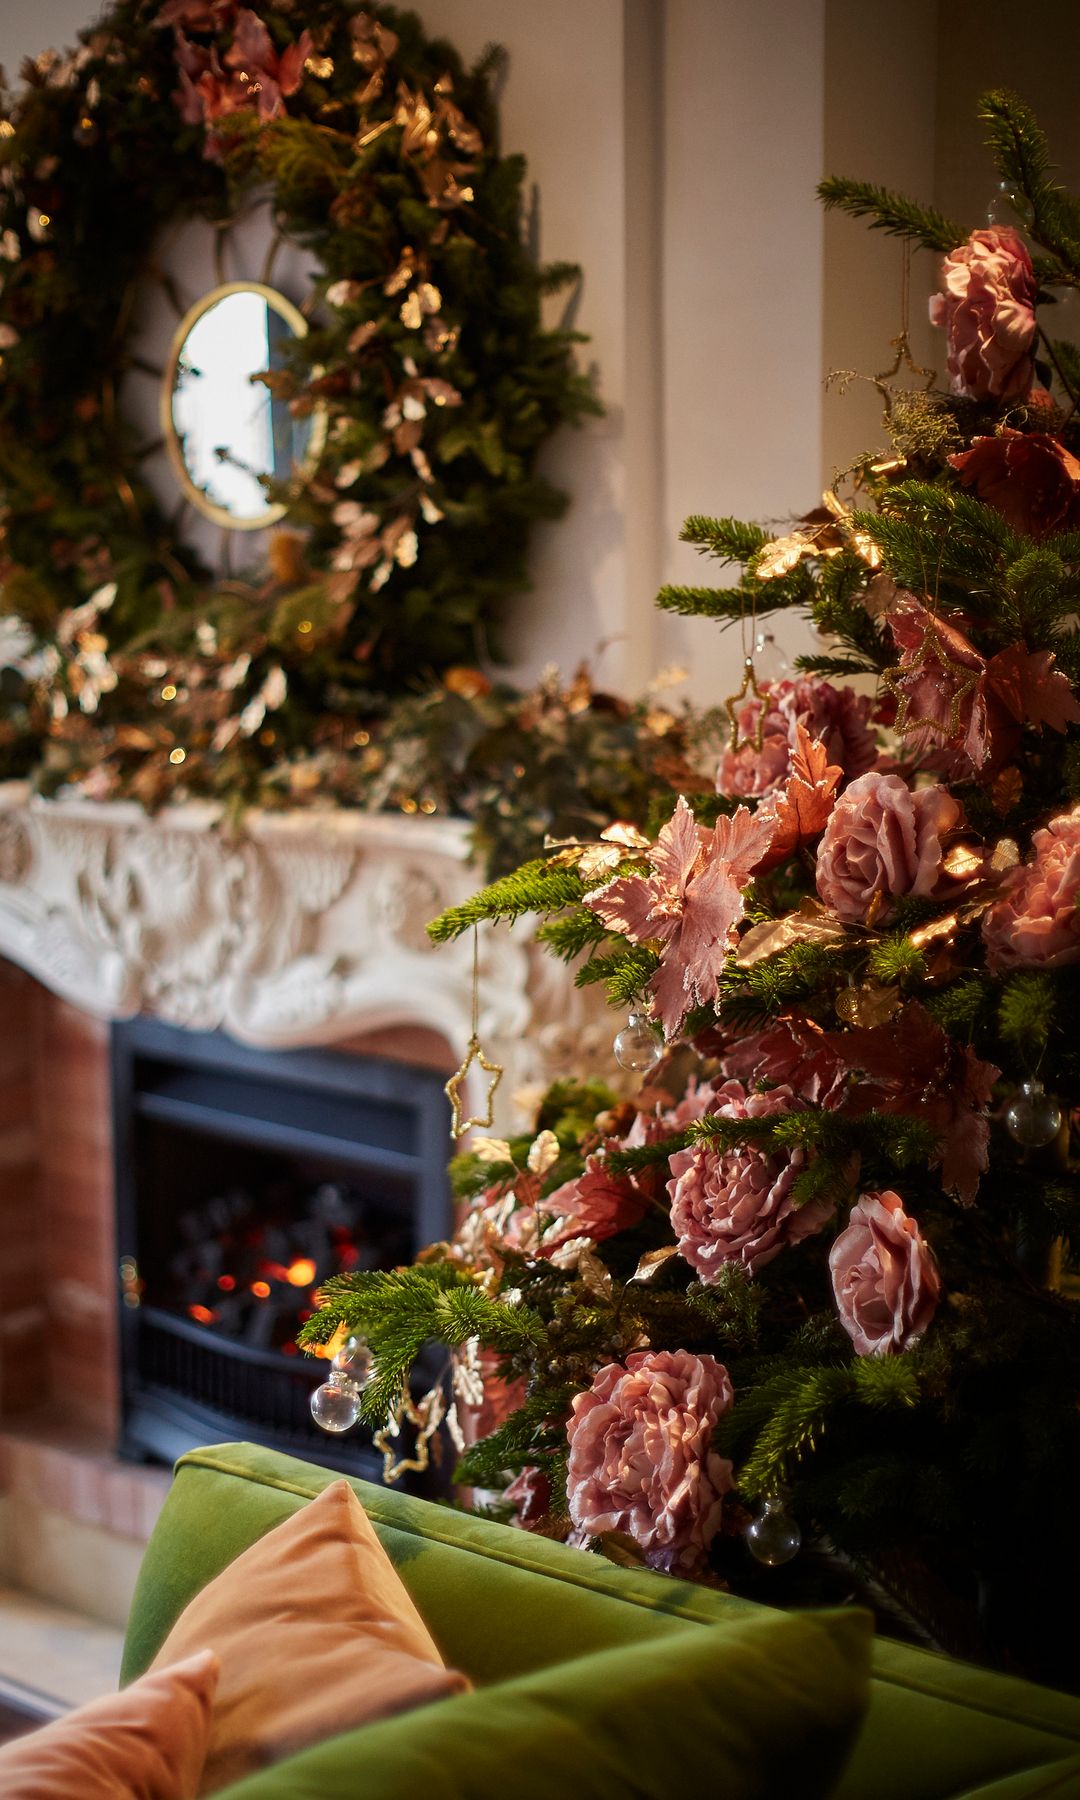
{"x": 225, "y": 432}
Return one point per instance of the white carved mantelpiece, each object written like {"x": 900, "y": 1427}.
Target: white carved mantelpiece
{"x": 298, "y": 928}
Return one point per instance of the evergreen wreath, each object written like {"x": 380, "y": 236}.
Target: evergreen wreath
{"x": 127, "y": 666}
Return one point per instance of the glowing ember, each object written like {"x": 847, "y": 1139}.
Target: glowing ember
{"x": 302, "y": 1272}
{"x": 226, "y": 1283}
{"x": 261, "y": 1290}
{"x": 203, "y": 1315}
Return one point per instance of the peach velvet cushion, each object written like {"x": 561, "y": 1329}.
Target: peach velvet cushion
{"x": 146, "y": 1743}
{"x": 315, "y": 1635}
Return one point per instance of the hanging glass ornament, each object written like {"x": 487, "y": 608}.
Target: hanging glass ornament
{"x": 637, "y": 1046}
{"x": 774, "y": 1536}
{"x": 335, "y": 1406}
{"x": 354, "y": 1359}
{"x": 1007, "y": 207}
{"x": 1034, "y": 1117}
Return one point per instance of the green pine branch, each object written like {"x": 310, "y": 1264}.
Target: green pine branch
{"x": 536, "y": 887}
{"x": 567, "y": 937}
{"x": 890, "y": 212}
{"x": 1023, "y": 160}
{"x": 730, "y": 540}
{"x": 398, "y": 1311}
{"x": 787, "y": 1415}
{"x": 626, "y": 972}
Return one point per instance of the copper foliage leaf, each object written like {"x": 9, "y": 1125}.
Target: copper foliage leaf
{"x": 653, "y": 1261}
{"x": 811, "y": 924}
{"x": 621, "y": 1549}
{"x": 1031, "y": 689}
{"x": 802, "y": 811}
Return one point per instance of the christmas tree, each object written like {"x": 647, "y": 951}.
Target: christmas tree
{"x": 815, "y": 1280}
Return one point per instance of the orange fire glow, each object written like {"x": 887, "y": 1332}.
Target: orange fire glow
{"x": 330, "y": 1349}
{"x": 302, "y": 1272}
{"x": 203, "y": 1315}
{"x": 226, "y": 1283}
{"x": 261, "y": 1290}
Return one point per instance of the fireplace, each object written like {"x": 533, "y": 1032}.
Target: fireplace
{"x": 244, "y": 1179}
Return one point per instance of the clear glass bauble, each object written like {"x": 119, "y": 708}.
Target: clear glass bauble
{"x": 1034, "y": 1117}
{"x": 1007, "y": 207}
{"x": 354, "y": 1359}
{"x": 774, "y": 1536}
{"x": 335, "y": 1406}
{"x": 637, "y": 1046}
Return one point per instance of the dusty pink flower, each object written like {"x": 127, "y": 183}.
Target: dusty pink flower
{"x": 595, "y": 1204}
{"x": 911, "y": 1066}
{"x": 640, "y": 1457}
{"x": 792, "y": 1051}
{"x": 1037, "y": 920}
{"x": 252, "y": 74}
{"x": 691, "y": 903}
{"x": 1028, "y": 477}
{"x": 530, "y": 1495}
{"x": 885, "y": 1279}
{"x": 836, "y": 717}
{"x": 882, "y": 839}
{"x": 988, "y": 313}
{"x": 736, "y": 1205}
{"x": 649, "y": 1127}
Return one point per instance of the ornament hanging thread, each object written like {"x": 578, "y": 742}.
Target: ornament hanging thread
{"x": 474, "y": 1053}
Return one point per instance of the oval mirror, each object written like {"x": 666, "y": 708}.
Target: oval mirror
{"x": 225, "y": 432}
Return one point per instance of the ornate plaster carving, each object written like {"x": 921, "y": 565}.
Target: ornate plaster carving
{"x": 302, "y": 928}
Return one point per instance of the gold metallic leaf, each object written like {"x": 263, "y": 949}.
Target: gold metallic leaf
{"x": 653, "y": 1261}
{"x": 868, "y": 1005}
{"x": 963, "y": 861}
{"x": 543, "y": 1153}
{"x": 936, "y": 931}
{"x": 1005, "y": 855}
{"x": 622, "y": 832}
{"x": 811, "y": 924}
{"x": 784, "y": 554}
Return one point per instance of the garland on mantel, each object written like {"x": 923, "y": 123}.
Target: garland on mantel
{"x": 128, "y": 669}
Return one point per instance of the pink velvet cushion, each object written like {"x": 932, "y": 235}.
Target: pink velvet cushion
{"x": 315, "y": 1635}
{"x": 146, "y": 1743}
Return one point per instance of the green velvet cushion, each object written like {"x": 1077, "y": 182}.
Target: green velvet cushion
{"x": 767, "y": 1706}
{"x": 502, "y": 1604}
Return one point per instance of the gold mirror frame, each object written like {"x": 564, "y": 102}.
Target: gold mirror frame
{"x": 296, "y": 321}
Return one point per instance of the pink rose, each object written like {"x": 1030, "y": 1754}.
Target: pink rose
{"x": 988, "y": 313}
{"x": 885, "y": 1279}
{"x": 736, "y": 1205}
{"x": 640, "y": 1458}
{"x": 837, "y": 717}
{"x": 593, "y": 1205}
{"x": 882, "y": 839}
{"x": 1037, "y": 920}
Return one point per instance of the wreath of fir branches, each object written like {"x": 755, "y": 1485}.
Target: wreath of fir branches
{"x": 127, "y": 666}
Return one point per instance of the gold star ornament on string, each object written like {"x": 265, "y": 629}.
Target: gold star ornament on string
{"x": 734, "y": 701}
{"x": 473, "y": 1054}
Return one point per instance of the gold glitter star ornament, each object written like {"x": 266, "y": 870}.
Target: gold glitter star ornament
{"x": 734, "y": 702}
{"x": 473, "y": 1054}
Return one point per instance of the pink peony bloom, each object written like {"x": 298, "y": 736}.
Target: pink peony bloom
{"x": 640, "y": 1458}
{"x": 882, "y": 840}
{"x": 595, "y": 1204}
{"x": 1036, "y": 923}
{"x": 988, "y": 313}
{"x": 252, "y": 75}
{"x": 1028, "y": 477}
{"x": 736, "y": 1205}
{"x": 691, "y": 903}
{"x": 885, "y": 1279}
{"x": 837, "y": 717}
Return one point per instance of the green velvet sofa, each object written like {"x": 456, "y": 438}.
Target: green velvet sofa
{"x": 515, "y": 1611}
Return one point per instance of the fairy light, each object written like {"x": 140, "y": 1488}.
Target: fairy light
{"x": 360, "y": 738}
{"x": 304, "y": 626}
{"x": 177, "y": 756}
{"x": 168, "y": 692}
